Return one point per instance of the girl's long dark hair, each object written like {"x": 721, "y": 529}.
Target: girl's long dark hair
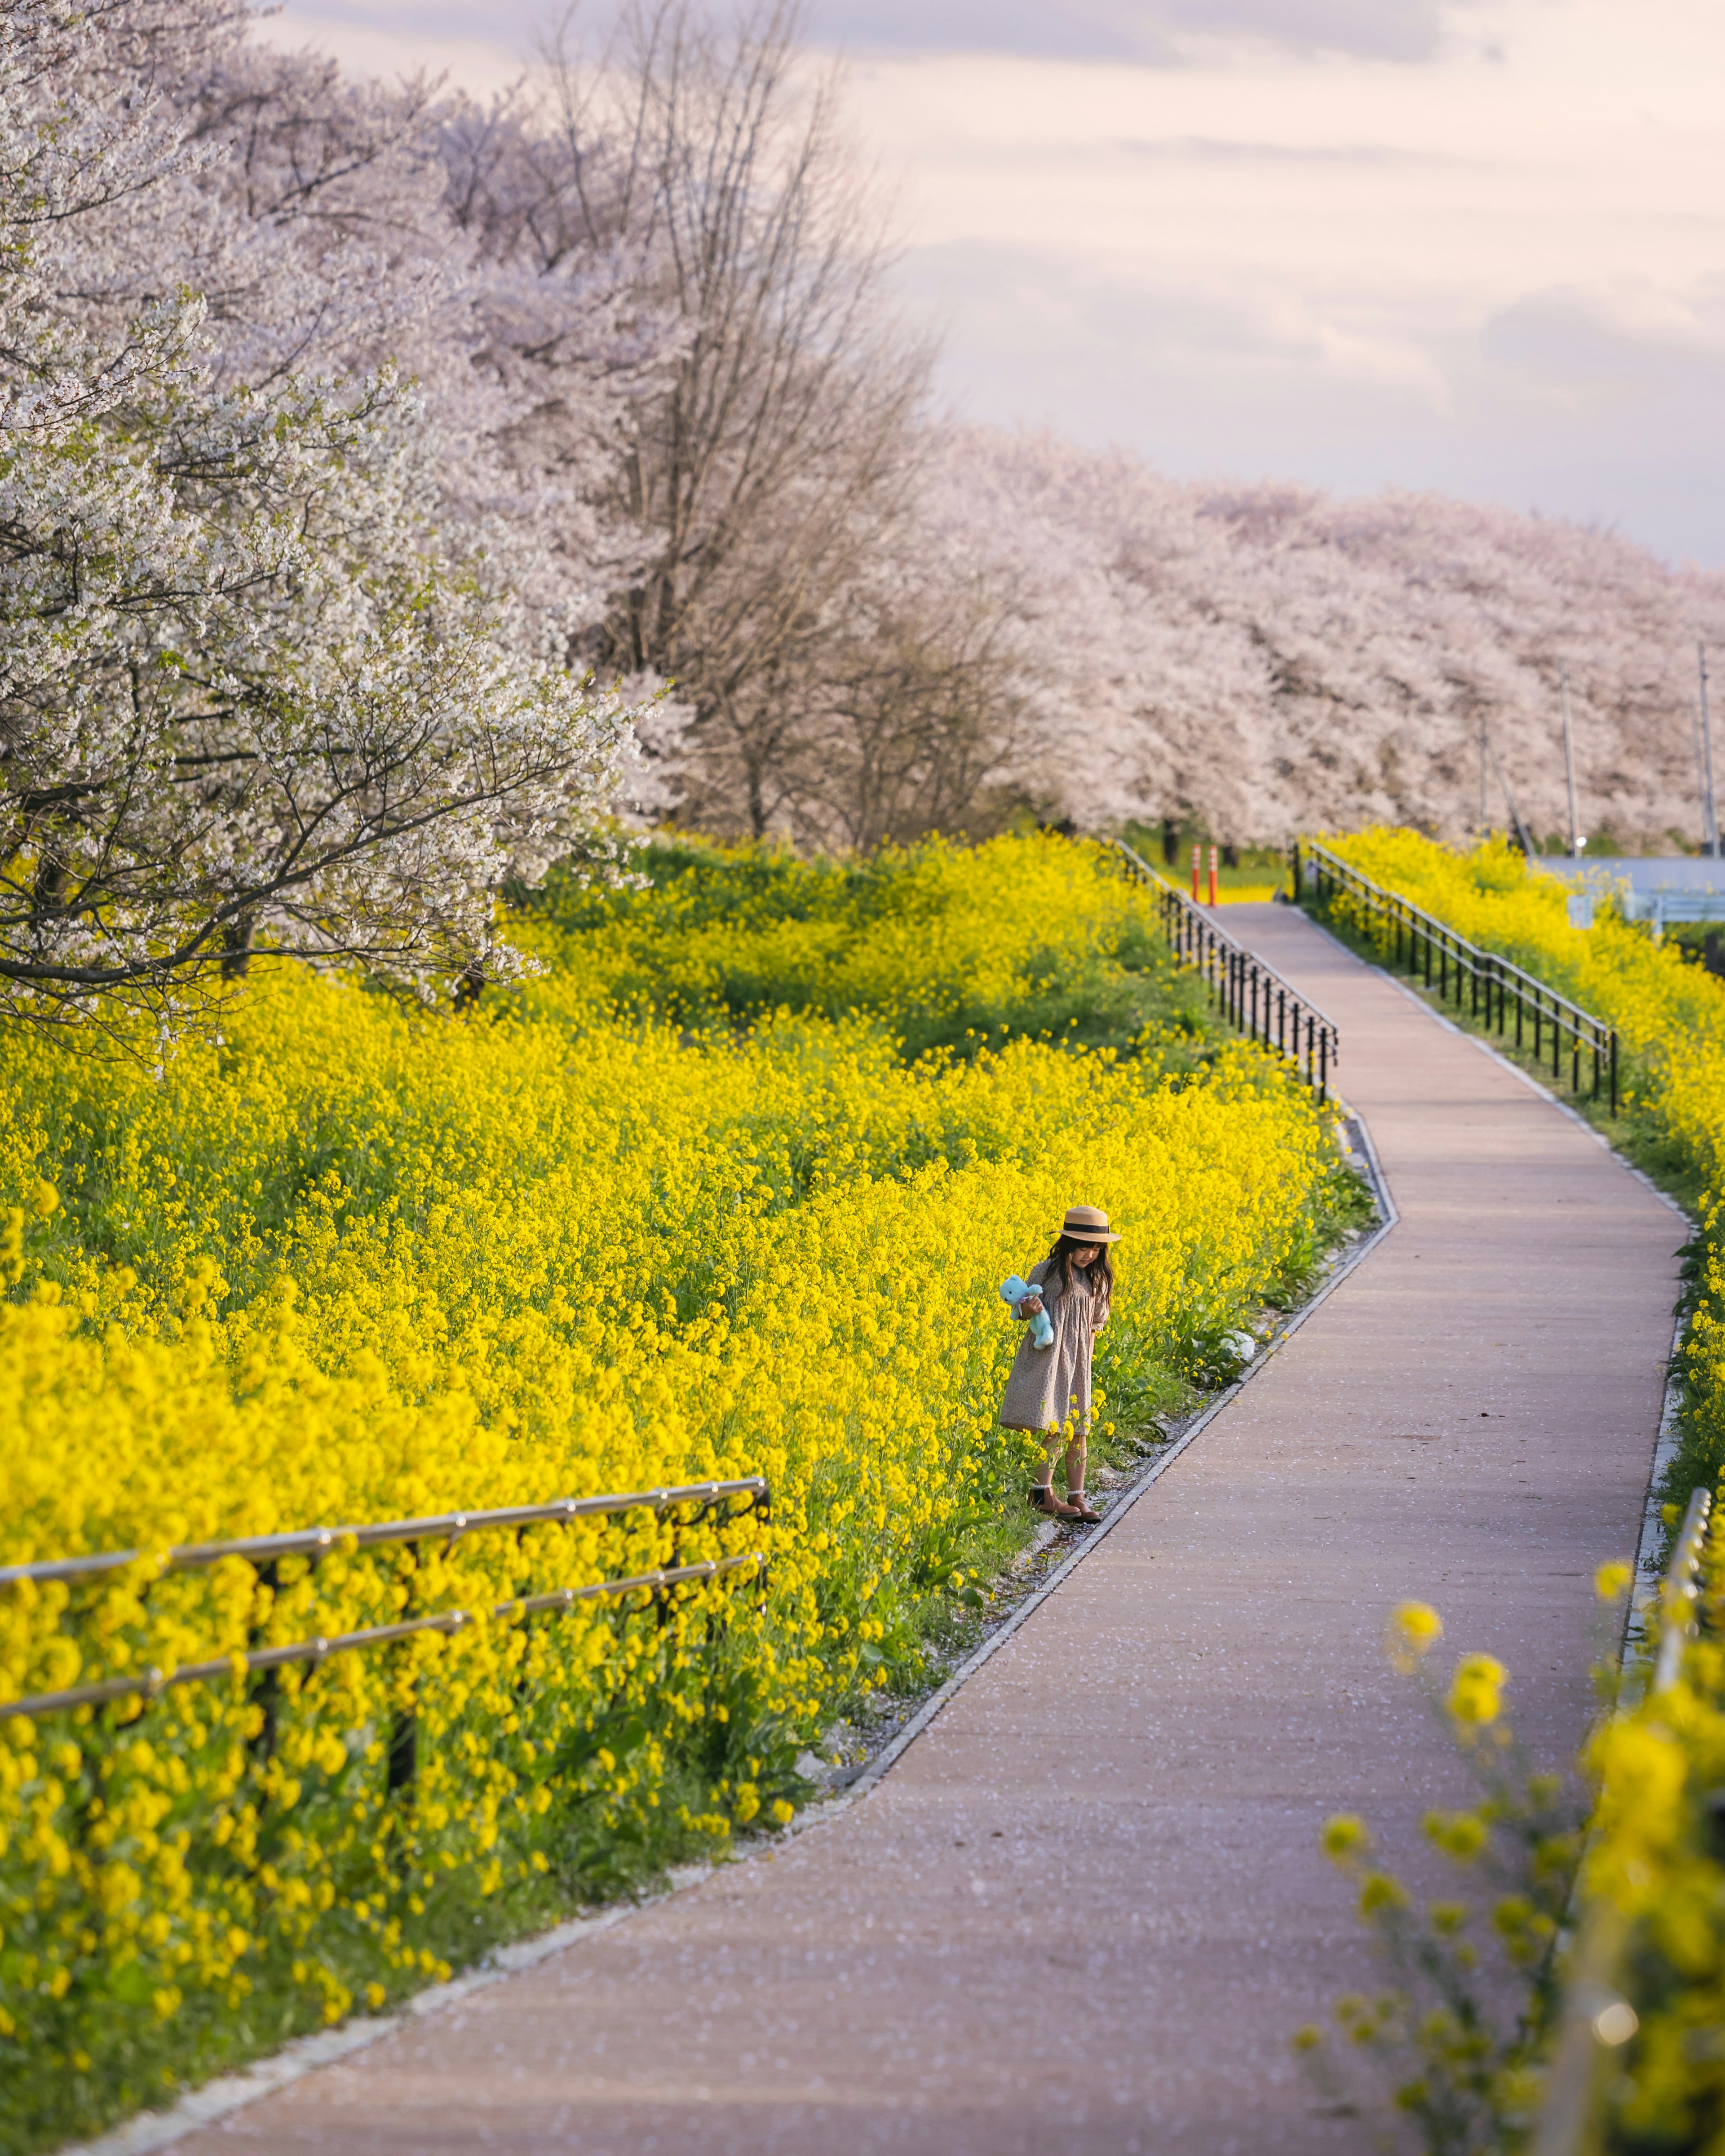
{"x": 1098, "y": 1277}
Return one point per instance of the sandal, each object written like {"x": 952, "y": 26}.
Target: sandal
{"x": 1080, "y": 1508}
{"x": 1043, "y": 1500}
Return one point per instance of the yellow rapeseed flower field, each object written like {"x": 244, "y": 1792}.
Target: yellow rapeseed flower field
{"x": 727, "y": 1190}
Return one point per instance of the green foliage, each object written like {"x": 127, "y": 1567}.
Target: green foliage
{"x": 952, "y": 948}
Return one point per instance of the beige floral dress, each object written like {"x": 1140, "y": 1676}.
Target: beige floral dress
{"x": 1050, "y": 1386}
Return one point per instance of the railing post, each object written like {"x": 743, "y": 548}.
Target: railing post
{"x": 1679, "y": 1594}
{"x": 266, "y": 1690}
{"x": 404, "y": 1764}
{"x": 401, "y": 1763}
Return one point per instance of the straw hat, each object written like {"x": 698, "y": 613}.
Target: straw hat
{"x": 1087, "y": 1224}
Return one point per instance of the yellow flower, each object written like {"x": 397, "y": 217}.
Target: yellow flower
{"x": 1413, "y": 1629}
{"x": 1344, "y": 1835}
{"x": 1379, "y": 1891}
{"x": 1475, "y": 1689}
{"x": 1460, "y": 1834}
{"x": 341, "y": 1268}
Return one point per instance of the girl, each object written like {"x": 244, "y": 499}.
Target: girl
{"x": 1049, "y": 1389}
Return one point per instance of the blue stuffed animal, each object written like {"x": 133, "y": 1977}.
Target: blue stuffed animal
{"x": 1015, "y": 1291}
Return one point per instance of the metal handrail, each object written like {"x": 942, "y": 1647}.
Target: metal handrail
{"x": 1247, "y": 989}
{"x": 146, "y": 1683}
{"x": 1680, "y": 1592}
{"x": 1597, "y": 2019}
{"x": 1432, "y": 953}
{"x": 318, "y": 1541}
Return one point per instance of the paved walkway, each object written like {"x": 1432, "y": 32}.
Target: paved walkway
{"x": 1083, "y": 1914}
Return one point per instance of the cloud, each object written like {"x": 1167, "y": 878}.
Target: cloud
{"x": 1198, "y": 149}
{"x": 1477, "y": 246}
{"x": 1614, "y": 340}
{"x": 1567, "y": 403}
{"x": 479, "y": 51}
{"x": 1152, "y": 33}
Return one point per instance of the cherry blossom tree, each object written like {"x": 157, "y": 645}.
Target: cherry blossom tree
{"x": 349, "y": 434}
{"x": 767, "y": 445}
{"x": 1259, "y": 660}
{"x": 255, "y": 679}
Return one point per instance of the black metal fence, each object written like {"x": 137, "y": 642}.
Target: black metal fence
{"x": 1249, "y": 993}
{"x": 1497, "y": 995}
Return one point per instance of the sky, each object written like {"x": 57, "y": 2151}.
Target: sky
{"x": 1354, "y": 244}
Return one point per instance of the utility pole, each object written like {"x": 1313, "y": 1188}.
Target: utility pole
{"x": 1485, "y": 754}
{"x": 1569, "y": 759}
{"x": 1709, "y": 810}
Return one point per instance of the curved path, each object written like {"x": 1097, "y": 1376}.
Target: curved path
{"x": 1085, "y": 1910}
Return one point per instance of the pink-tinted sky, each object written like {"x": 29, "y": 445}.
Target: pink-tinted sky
{"x": 1358, "y": 242}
